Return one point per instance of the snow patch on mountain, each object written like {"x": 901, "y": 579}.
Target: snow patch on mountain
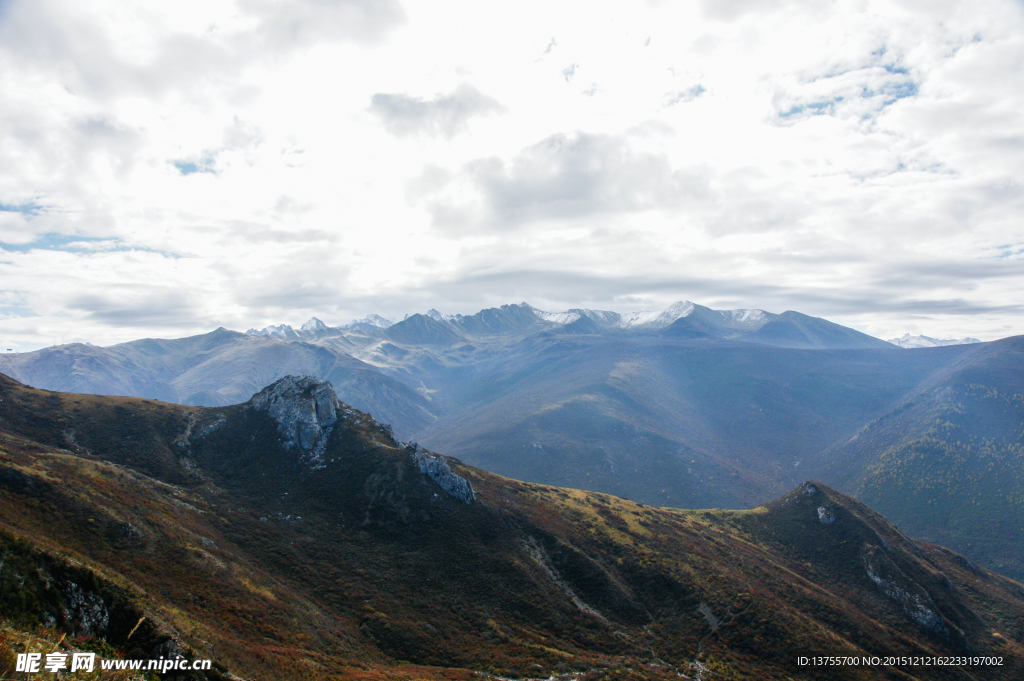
{"x": 557, "y": 317}
{"x": 434, "y": 314}
{"x": 614, "y": 319}
{"x": 373, "y": 320}
{"x": 683, "y": 308}
{"x": 752, "y": 318}
{"x": 908, "y": 341}
{"x": 652, "y": 319}
{"x": 600, "y": 316}
{"x": 638, "y": 318}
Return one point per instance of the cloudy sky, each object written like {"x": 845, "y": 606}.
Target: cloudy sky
{"x": 168, "y": 168}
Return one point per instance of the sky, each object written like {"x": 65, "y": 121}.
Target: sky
{"x": 170, "y": 168}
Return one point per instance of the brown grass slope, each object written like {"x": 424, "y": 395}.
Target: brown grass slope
{"x": 235, "y": 549}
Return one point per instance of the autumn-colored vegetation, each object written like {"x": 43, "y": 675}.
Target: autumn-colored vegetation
{"x": 200, "y": 521}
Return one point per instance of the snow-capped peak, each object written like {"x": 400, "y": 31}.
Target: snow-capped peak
{"x": 919, "y": 341}
{"x": 434, "y": 314}
{"x": 314, "y": 324}
{"x": 683, "y": 308}
{"x": 272, "y": 331}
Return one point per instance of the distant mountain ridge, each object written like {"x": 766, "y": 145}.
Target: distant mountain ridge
{"x": 909, "y": 341}
{"x": 214, "y": 369}
{"x": 789, "y": 329}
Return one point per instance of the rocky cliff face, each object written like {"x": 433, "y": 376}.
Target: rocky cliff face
{"x": 437, "y": 469}
{"x": 305, "y": 410}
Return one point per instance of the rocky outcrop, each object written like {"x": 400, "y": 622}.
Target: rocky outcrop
{"x": 85, "y": 611}
{"x": 892, "y": 581}
{"x": 437, "y": 469}
{"x": 305, "y": 409}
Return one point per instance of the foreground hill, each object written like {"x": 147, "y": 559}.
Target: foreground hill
{"x": 293, "y": 537}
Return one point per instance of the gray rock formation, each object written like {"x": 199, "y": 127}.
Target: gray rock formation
{"x": 437, "y": 469}
{"x": 825, "y": 516}
{"x": 85, "y": 611}
{"x": 894, "y": 583}
{"x": 305, "y": 410}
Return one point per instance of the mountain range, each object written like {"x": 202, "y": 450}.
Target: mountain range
{"x": 689, "y": 407}
{"x": 789, "y": 329}
{"x": 909, "y": 341}
{"x": 293, "y": 537}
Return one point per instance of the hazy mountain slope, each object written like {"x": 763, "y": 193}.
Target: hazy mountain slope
{"x": 703, "y": 322}
{"x": 794, "y": 330}
{"x": 703, "y": 423}
{"x": 672, "y": 422}
{"x": 948, "y": 463}
{"x": 218, "y": 368}
{"x": 295, "y": 562}
{"x": 420, "y": 329}
{"x": 693, "y": 326}
{"x": 507, "y": 320}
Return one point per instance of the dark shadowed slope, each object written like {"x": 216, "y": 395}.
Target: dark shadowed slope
{"x": 293, "y": 537}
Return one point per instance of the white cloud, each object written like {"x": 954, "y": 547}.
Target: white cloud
{"x": 561, "y": 177}
{"x": 168, "y": 168}
{"x": 443, "y": 116}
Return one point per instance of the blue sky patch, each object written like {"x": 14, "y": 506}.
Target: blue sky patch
{"x": 23, "y": 208}
{"x": 814, "y": 108}
{"x": 203, "y": 165}
{"x": 55, "y": 242}
{"x": 72, "y": 243}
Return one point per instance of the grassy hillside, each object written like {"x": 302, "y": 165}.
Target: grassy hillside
{"x": 362, "y": 567}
